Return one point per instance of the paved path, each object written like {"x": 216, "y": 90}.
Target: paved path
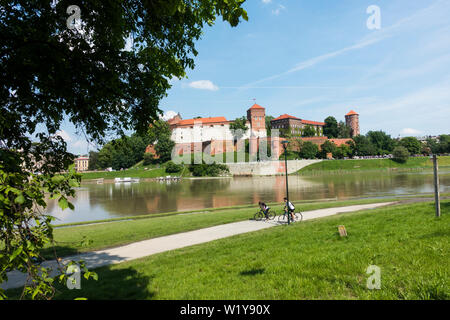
{"x": 148, "y": 247}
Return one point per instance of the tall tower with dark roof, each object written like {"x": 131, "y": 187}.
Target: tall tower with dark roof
{"x": 352, "y": 120}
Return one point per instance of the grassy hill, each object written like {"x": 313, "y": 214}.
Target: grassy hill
{"x": 340, "y": 166}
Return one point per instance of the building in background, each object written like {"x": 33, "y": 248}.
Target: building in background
{"x": 81, "y": 164}
{"x": 214, "y": 135}
{"x": 295, "y": 126}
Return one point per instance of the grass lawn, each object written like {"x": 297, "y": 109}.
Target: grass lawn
{"x": 340, "y": 166}
{"x": 306, "y": 260}
{"x": 138, "y": 172}
{"x": 72, "y": 240}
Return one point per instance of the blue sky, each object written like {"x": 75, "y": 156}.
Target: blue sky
{"x": 313, "y": 59}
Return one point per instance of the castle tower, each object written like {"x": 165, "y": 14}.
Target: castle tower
{"x": 352, "y": 120}
{"x": 256, "y": 115}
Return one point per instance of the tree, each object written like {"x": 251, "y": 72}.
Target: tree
{"x": 344, "y": 150}
{"x": 344, "y": 131}
{"x": 87, "y": 76}
{"x": 93, "y": 160}
{"x": 269, "y": 125}
{"x": 413, "y": 145}
{"x": 308, "y": 131}
{"x": 400, "y": 154}
{"x": 309, "y": 150}
{"x": 444, "y": 144}
{"x": 149, "y": 158}
{"x": 239, "y": 127}
{"x": 123, "y": 153}
{"x": 381, "y": 141}
{"x": 363, "y": 146}
{"x": 327, "y": 147}
{"x": 159, "y": 134}
{"x": 331, "y": 129}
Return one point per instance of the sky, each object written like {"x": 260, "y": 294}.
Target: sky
{"x": 314, "y": 59}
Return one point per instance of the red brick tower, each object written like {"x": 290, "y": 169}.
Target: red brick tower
{"x": 352, "y": 120}
{"x": 257, "y": 117}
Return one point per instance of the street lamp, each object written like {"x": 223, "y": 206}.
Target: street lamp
{"x": 285, "y": 143}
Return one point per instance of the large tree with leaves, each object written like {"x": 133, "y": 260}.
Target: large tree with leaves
{"x": 88, "y": 76}
{"x": 330, "y": 128}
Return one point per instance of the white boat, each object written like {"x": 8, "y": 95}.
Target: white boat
{"x": 127, "y": 179}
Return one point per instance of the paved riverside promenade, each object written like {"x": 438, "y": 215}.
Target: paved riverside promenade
{"x": 180, "y": 240}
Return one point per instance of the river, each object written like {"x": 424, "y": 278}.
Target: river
{"x": 109, "y": 200}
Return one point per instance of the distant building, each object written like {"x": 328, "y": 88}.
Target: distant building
{"x": 81, "y": 164}
{"x": 296, "y": 125}
{"x": 214, "y": 135}
{"x": 352, "y": 120}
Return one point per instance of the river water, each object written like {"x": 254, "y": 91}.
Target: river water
{"x": 109, "y": 200}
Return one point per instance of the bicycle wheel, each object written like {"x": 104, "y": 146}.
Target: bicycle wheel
{"x": 272, "y": 215}
{"x": 282, "y": 218}
{"x": 258, "y": 216}
{"x": 298, "y": 216}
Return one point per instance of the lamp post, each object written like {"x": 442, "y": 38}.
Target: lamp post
{"x": 285, "y": 142}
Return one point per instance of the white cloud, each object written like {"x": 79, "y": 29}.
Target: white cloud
{"x": 266, "y": 1}
{"x": 278, "y": 10}
{"x": 204, "y": 85}
{"x": 410, "y": 132}
{"x": 63, "y": 134}
{"x": 168, "y": 115}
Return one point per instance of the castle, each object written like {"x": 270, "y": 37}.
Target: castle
{"x": 214, "y": 134}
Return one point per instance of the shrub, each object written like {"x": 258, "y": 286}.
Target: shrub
{"x": 148, "y": 158}
{"x": 401, "y": 154}
{"x": 309, "y": 150}
{"x": 208, "y": 170}
{"x": 172, "y": 167}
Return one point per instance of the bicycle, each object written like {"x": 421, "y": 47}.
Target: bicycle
{"x": 298, "y": 216}
{"x": 260, "y": 215}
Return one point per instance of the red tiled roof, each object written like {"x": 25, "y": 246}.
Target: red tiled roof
{"x": 256, "y": 106}
{"x": 313, "y": 122}
{"x": 286, "y": 116}
{"x": 201, "y": 120}
{"x": 351, "y": 113}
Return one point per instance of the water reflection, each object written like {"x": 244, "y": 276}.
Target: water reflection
{"x": 100, "y": 201}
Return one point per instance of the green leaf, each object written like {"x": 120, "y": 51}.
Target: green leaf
{"x": 58, "y": 179}
{"x": 63, "y": 203}
{"x": 15, "y": 253}
{"x": 20, "y": 199}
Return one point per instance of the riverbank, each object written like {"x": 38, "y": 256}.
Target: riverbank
{"x": 140, "y": 172}
{"x": 307, "y": 260}
{"x": 95, "y": 235}
{"x": 345, "y": 166}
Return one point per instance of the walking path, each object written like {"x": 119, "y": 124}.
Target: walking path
{"x": 152, "y": 246}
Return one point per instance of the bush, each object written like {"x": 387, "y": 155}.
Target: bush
{"x": 149, "y": 158}
{"x": 309, "y": 150}
{"x": 401, "y": 154}
{"x": 208, "y": 170}
{"x": 172, "y": 167}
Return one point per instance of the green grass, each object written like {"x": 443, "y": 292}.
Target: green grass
{"x": 306, "y": 260}
{"x": 76, "y": 239}
{"x": 341, "y": 166}
{"x": 138, "y": 172}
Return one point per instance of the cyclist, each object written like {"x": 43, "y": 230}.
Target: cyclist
{"x": 264, "y": 208}
{"x": 289, "y": 208}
